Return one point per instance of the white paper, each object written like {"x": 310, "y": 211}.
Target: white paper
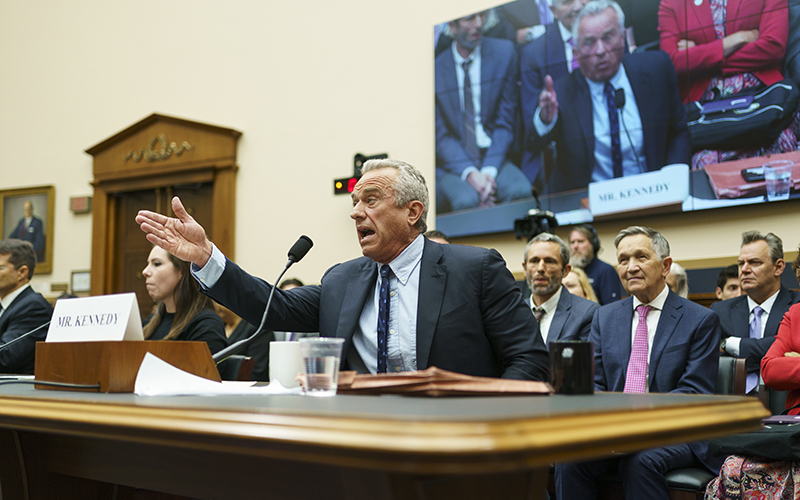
{"x": 156, "y": 377}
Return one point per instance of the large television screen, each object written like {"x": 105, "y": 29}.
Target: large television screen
{"x": 596, "y": 110}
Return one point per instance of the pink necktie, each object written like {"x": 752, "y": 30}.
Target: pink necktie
{"x": 636, "y": 377}
{"x": 575, "y": 63}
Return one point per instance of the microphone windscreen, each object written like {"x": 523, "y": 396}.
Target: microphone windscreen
{"x": 619, "y": 98}
{"x": 300, "y": 248}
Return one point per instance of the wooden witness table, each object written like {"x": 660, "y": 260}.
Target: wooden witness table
{"x": 70, "y": 445}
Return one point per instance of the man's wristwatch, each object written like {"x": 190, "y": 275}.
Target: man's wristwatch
{"x": 723, "y": 344}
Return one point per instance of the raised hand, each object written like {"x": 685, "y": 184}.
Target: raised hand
{"x": 548, "y": 101}
{"x": 183, "y": 237}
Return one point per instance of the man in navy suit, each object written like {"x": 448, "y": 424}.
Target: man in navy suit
{"x": 551, "y": 54}
{"x": 599, "y": 135}
{"x": 761, "y": 265}
{"x": 450, "y": 306}
{"x": 561, "y": 315}
{"x": 476, "y": 116}
{"x": 21, "y": 309}
{"x": 30, "y": 228}
{"x": 654, "y": 341}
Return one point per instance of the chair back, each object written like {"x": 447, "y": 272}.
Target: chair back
{"x": 731, "y": 376}
{"x": 236, "y": 367}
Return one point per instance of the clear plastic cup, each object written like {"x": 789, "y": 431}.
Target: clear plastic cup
{"x": 321, "y": 365}
{"x": 778, "y": 175}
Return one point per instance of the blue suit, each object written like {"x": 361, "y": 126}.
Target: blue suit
{"x": 28, "y": 311}
{"x": 34, "y": 233}
{"x": 572, "y": 319}
{"x": 498, "y": 113}
{"x": 684, "y": 359}
{"x": 543, "y": 56}
{"x": 471, "y": 316}
{"x": 734, "y": 318}
{"x": 655, "y": 86}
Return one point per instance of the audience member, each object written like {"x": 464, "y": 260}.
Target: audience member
{"x": 183, "y": 313}
{"x": 452, "y": 306}
{"x": 586, "y": 123}
{"x": 561, "y": 315}
{"x": 678, "y": 280}
{"x": 237, "y": 329}
{"x": 654, "y": 341}
{"x": 721, "y": 49}
{"x": 476, "y": 117}
{"x": 31, "y": 228}
{"x": 437, "y": 236}
{"x": 750, "y": 322}
{"x": 578, "y": 284}
{"x": 551, "y": 54}
{"x": 584, "y": 245}
{"x": 21, "y": 309}
{"x": 728, "y": 285}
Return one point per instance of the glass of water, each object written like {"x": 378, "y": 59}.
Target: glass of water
{"x": 321, "y": 357}
{"x": 778, "y": 175}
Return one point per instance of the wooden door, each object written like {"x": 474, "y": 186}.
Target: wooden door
{"x": 130, "y": 245}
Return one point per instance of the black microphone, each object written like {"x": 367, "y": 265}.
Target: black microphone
{"x": 297, "y": 252}
{"x": 619, "y": 102}
{"x": 23, "y": 336}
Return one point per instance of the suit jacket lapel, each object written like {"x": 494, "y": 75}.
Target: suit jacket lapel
{"x": 432, "y": 280}
{"x": 582, "y": 106}
{"x": 740, "y": 316}
{"x": 623, "y": 344}
{"x": 670, "y": 316}
{"x": 560, "y": 317}
{"x": 359, "y": 288}
{"x": 782, "y": 304}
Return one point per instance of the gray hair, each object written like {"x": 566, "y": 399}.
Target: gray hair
{"x": 681, "y": 280}
{"x": 774, "y": 243}
{"x": 549, "y": 238}
{"x": 21, "y": 253}
{"x": 409, "y": 186}
{"x": 592, "y": 9}
{"x": 657, "y": 240}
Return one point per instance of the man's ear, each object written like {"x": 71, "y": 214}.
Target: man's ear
{"x": 667, "y": 263}
{"x": 415, "y": 209}
{"x": 22, "y": 273}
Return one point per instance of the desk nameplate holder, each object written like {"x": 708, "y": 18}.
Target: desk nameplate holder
{"x": 114, "y": 364}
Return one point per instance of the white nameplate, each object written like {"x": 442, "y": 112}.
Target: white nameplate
{"x": 667, "y": 186}
{"x": 105, "y": 317}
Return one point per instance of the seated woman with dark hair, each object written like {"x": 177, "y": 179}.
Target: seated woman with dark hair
{"x": 183, "y": 313}
{"x": 723, "y": 47}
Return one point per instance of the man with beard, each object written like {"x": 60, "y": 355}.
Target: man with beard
{"x": 561, "y": 315}
{"x": 584, "y": 245}
{"x": 476, "y": 115}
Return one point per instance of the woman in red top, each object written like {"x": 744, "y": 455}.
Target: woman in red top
{"x": 721, "y": 47}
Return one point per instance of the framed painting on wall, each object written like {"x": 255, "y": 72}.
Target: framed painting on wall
{"x": 27, "y": 214}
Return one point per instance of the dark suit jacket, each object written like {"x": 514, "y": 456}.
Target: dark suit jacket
{"x": 471, "y": 317}
{"x": 498, "y": 106}
{"x": 733, "y": 314}
{"x": 572, "y": 319}
{"x": 34, "y": 234}
{"x": 655, "y": 86}
{"x": 28, "y": 311}
{"x": 684, "y": 356}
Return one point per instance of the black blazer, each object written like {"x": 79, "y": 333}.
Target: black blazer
{"x": 733, "y": 314}
{"x": 25, "y": 313}
{"x": 471, "y": 318}
{"x": 655, "y": 86}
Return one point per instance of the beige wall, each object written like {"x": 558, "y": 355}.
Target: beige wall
{"x": 308, "y": 83}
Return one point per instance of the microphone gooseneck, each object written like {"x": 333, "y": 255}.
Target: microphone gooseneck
{"x": 23, "y": 336}
{"x": 297, "y": 252}
{"x": 619, "y": 102}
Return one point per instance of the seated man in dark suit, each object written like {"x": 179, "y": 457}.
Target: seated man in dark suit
{"x": 408, "y": 304}
{"x": 21, "y": 309}
{"x": 595, "y": 140}
{"x": 653, "y": 341}
{"x": 31, "y": 228}
{"x": 551, "y": 54}
{"x": 476, "y": 116}
{"x": 750, "y": 322}
{"x": 561, "y": 315}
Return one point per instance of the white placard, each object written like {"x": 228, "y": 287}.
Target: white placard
{"x": 105, "y": 317}
{"x": 667, "y": 186}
